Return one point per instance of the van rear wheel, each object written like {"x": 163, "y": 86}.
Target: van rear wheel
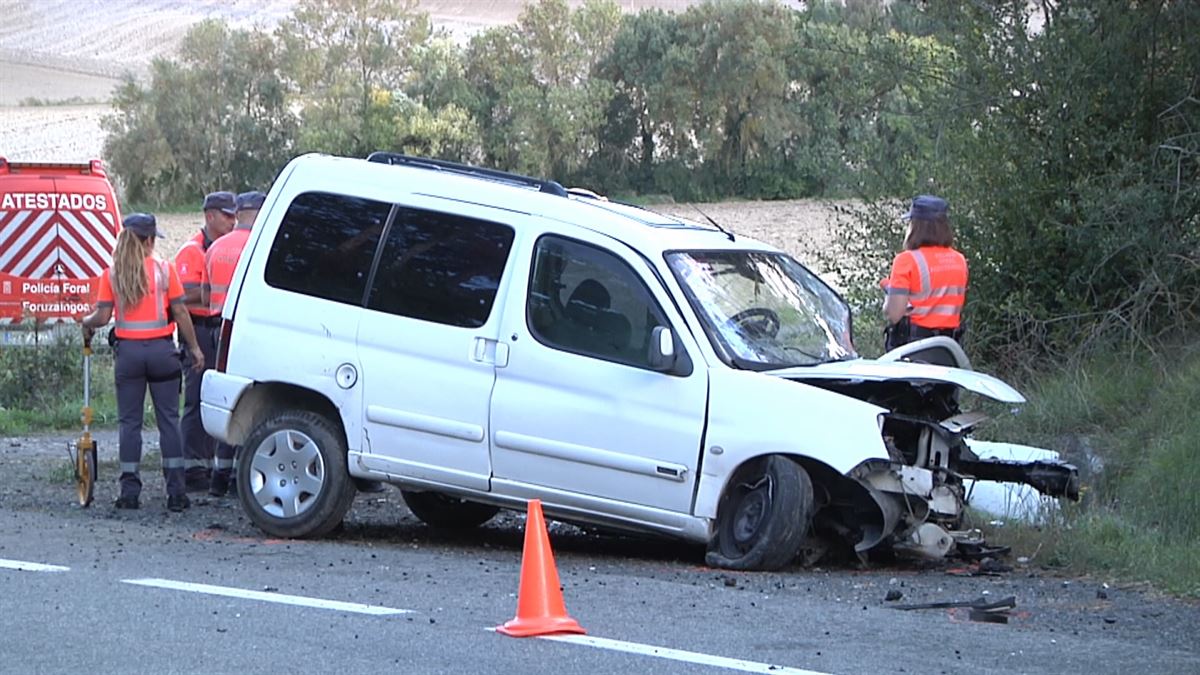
{"x": 763, "y": 516}
{"x": 292, "y": 478}
{"x": 439, "y": 510}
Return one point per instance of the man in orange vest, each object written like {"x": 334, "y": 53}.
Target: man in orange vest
{"x": 198, "y": 446}
{"x": 220, "y": 262}
{"x": 927, "y": 287}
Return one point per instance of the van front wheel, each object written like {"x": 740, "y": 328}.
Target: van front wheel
{"x": 763, "y": 516}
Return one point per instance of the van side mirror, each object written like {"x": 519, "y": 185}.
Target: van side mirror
{"x": 662, "y": 349}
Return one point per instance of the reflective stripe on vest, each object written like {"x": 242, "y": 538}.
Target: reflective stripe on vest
{"x": 222, "y": 260}
{"x": 142, "y": 326}
{"x": 198, "y": 307}
{"x": 216, "y": 297}
{"x": 935, "y": 306}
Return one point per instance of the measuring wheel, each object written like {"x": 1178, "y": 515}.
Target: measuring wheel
{"x": 85, "y": 474}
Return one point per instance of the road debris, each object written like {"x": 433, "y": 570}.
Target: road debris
{"x": 980, "y": 609}
{"x": 988, "y": 567}
{"x": 979, "y": 550}
{"x": 981, "y": 604}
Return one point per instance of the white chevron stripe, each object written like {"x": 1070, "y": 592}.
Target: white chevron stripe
{"x": 67, "y": 237}
{"x": 103, "y": 230}
{"x": 11, "y": 227}
{"x": 46, "y": 267}
{"x": 24, "y": 234}
{"x": 72, "y": 268}
{"x": 85, "y": 235}
{"x": 21, "y": 267}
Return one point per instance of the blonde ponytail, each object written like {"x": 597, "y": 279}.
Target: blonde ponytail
{"x": 129, "y": 280}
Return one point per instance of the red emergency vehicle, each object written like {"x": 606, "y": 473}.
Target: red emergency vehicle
{"x": 58, "y": 225}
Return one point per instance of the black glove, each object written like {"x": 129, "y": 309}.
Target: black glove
{"x": 897, "y": 334}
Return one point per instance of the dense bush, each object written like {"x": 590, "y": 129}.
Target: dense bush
{"x": 41, "y": 380}
{"x": 34, "y": 375}
{"x": 1065, "y": 138}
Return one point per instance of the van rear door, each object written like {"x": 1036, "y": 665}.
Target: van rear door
{"x": 58, "y": 226}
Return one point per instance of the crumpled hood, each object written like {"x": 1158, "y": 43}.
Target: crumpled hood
{"x": 868, "y": 370}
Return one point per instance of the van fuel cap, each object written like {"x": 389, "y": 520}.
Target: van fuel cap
{"x": 346, "y": 375}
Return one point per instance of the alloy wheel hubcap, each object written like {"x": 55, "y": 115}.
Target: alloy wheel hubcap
{"x": 287, "y": 473}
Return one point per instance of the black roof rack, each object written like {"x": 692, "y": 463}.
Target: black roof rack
{"x": 396, "y": 158}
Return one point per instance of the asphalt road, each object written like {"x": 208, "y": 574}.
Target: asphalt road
{"x": 204, "y": 591}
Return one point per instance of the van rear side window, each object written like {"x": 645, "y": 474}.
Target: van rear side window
{"x": 325, "y": 246}
{"x": 441, "y": 267}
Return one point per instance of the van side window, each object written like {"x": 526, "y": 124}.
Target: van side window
{"x": 325, "y": 246}
{"x": 440, "y": 267}
{"x": 585, "y": 300}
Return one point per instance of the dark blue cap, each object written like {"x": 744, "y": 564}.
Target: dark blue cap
{"x": 927, "y": 207}
{"x": 222, "y": 201}
{"x": 143, "y": 225}
{"x": 250, "y": 201}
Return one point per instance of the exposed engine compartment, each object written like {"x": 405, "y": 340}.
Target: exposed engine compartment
{"x": 915, "y": 502}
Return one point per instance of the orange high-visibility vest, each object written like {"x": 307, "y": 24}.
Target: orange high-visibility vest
{"x": 189, "y": 261}
{"x": 220, "y": 262}
{"x": 151, "y": 317}
{"x": 935, "y": 280}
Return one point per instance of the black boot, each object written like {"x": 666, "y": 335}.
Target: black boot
{"x": 197, "y": 481}
{"x": 220, "y": 484}
{"x": 178, "y": 503}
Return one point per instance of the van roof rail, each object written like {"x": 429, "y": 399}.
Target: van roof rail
{"x": 396, "y": 158}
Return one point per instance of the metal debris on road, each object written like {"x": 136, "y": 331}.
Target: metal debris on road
{"x": 980, "y": 604}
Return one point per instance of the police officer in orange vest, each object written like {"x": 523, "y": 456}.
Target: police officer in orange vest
{"x": 220, "y": 262}
{"x": 145, "y": 294}
{"x": 927, "y": 287}
{"x": 198, "y": 446}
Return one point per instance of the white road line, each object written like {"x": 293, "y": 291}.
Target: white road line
{"x": 678, "y": 655}
{"x": 31, "y": 566}
{"x": 267, "y": 596}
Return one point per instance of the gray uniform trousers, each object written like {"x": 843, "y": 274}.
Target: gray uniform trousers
{"x": 139, "y": 363}
{"x": 199, "y": 448}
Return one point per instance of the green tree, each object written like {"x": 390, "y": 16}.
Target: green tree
{"x": 338, "y": 56}
{"x": 741, "y": 115}
{"x": 1064, "y": 137}
{"x": 645, "y": 109}
{"x": 540, "y": 109}
{"x": 216, "y": 118}
{"x": 136, "y": 149}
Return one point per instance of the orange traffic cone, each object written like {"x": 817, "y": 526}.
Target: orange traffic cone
{"x": 540, "y": 608}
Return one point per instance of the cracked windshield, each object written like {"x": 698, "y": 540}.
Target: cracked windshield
{"x": 764, "y": 310}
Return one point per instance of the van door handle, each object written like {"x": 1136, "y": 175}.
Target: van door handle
{"x": 490, "y": 351}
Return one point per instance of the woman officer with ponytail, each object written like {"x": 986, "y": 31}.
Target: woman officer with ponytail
{"x": 145, "y": 294}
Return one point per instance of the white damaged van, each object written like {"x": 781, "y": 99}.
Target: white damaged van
{"x": 480, "y": 339}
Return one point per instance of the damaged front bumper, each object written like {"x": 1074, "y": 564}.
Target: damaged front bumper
{"x": 918, "y": 510}
{"x": 915, "y": 499}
